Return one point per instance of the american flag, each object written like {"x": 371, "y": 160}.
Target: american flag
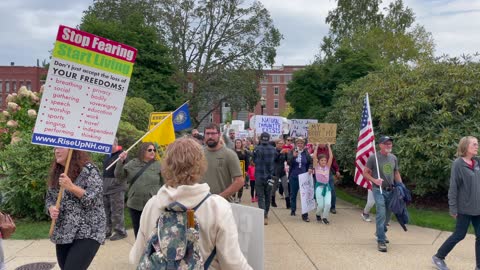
{"x": 365, "y": 146}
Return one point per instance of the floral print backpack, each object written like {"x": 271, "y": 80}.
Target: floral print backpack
{"x": 173, "y": 244}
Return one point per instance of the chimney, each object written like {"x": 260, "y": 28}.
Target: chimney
{"x": 12, "y": 64}
{"x": 38, "y": 62}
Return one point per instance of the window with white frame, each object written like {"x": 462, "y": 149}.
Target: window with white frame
{"x": 275, "y": 103}
{"x": 264, "y": 90}
{"x": 276, "y": 90}
{"x": 276, "y": 78}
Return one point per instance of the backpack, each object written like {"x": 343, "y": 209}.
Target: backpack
{"x": 174, "y": 243}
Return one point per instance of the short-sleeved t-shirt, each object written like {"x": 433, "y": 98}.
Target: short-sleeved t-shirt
{"x": 388, "y": 165}
{"x": 223, "y": 166}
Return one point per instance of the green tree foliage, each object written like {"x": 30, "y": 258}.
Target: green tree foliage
{"x": 136, "y": 111}
{"x": 390, "y": 37}
{"x": 130, "y": 22}
{"x": 217, "y": 44}
{"x": 311, "y": 91}
{"x": 426, "y": 109}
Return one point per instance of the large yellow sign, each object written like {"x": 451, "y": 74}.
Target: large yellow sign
{"x": 322, "y": 133}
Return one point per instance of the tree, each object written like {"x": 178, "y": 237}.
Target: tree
{"x": 385, "y": 36}
{"x": 426, "y": 109}
{"x": 130, "y": 22}
{"x": 136, "y": 111}
{"x": 312, "y": 90}
{"x": 218, "y": 46}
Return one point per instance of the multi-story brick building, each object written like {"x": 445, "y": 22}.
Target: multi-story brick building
{"x": 13, "y": 77}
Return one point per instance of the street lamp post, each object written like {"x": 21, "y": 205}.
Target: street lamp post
{"x": 262, "y": 103}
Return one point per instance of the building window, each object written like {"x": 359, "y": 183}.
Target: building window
{"x": 7, "y": 87}
{"x": 288, "y": 78}
{"x": 276, "y": 90}
{"x": 264, "y": 79}
{"x": 264, "y": 90}
{"x": 276, "y": 78}
{"x": 1, "y": 87}
{"x": 14, "y": 86}
{"x": 29, "y": 85}
{"x": 275, "y": 103}
{"x": 211, "y": 117}
{"x": 190, "y": 87}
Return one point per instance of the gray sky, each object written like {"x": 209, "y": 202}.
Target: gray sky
{"x": 28, "y": 27}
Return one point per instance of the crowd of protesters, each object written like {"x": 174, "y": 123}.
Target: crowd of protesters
{"x": 218, "y": 166}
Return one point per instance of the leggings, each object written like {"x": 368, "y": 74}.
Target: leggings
{"x": 78, "y": 255}
{"x": 135, "y": 215}
{"x": 252, "y": 188}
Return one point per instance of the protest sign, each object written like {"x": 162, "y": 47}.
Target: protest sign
{"x": 238, "y": 125}
{"x": 322, "y": 133}
{"x": 270, "y": 124}
{"x": 299, "y": 127}
{"x": 250, "y": 228}
{"x": 84, "y": 92}
{"x": 242, "y": 167}
{"x": 307, "y": 190}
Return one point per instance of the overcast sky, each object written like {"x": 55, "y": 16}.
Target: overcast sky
{"x": 28, "y": 27}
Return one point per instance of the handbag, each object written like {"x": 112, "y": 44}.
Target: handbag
{"x": 7, "y": 226}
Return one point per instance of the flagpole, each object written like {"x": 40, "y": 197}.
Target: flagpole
{"x": 146, "y": 134}
{"x": 374, "y": 150}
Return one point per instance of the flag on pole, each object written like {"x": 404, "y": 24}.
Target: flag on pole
{"x": 181, "y": 118}
{"x": 163, "y": 135}
{"x": 366, "y": 145}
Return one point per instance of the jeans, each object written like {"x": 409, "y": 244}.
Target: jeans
{"x": 294, "y": 187}
{"x": 264, "y": 195}
{"x": 331, "y": 182}
{"x": 463, "y": 221}
{"x": 382, "y": 202}
{"x": 114, "y": 211}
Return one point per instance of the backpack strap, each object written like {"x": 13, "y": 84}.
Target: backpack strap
{"x": 200, "y": 203}
{"x": 210, "y": 258}
{"x": 140, "y": 172}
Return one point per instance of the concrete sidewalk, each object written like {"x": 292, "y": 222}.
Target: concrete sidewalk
{"x": 347, "y": 243}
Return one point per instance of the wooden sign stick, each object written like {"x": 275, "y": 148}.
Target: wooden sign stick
{"x": 61, "y": 191}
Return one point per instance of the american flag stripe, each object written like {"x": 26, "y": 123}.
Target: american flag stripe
{"x": 365, "y": 146}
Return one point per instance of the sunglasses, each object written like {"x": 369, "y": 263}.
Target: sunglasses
{"x": 152, "y": 150}
{"x": 289, "y": 140}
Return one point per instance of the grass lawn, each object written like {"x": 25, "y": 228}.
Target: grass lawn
{"x": 435, "y": 219}
{"x": 39, "y": 230}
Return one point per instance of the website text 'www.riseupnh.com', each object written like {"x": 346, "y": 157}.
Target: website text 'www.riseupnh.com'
{"x": 71, "y": 143}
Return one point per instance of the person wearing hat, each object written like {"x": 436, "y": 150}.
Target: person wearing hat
{"x": 389, "y": 173}
{"x": 264, "y": 159}
{"x": 300, "y": 162}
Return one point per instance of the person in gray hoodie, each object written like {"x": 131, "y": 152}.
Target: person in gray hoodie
{"x": 463, "y": 199}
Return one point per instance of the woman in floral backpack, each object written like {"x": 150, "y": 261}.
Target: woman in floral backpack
{"x": 183, "y": 166}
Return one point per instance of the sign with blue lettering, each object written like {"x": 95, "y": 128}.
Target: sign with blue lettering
{"x": 270, "y": 124}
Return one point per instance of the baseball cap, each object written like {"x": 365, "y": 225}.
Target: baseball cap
{"x": 265, "y": 136}
{"x": 384, "y": 139}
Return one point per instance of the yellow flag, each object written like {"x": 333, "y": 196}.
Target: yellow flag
{"x": 163, "y": 135}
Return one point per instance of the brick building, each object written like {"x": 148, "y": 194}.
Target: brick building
{"x": 13, "y": 77}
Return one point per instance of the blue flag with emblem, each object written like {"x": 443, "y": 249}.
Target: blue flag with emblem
{"x": 181, "y": 118}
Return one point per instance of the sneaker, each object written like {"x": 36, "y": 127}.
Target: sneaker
{"x": 265, "y": 221}
{"x": 118, "y": 236}
{"x": 325, "y": 221}
{"x": 253, "y": 199}
{"x": 386, "y": 239}
{"x": 108, "y": 235}
{"x": 292, "y": 213}
{"x": 382, "y": 247}
{"x": 319, "y": 218}
{"x": 333, "y": 211}
{"x": 439, "y": 263}
{"x": 366, "y": 217}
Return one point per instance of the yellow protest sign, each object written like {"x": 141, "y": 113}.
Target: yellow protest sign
{"x": 164, "y": 134}
{"x": 242, "y": 166}
{"x": 322, "y": 133}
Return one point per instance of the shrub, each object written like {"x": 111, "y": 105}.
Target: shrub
{"x": 426, "y": 109}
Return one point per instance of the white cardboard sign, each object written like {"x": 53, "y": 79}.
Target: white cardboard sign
{"x": 84, "y": 92}
{"x": 270, "y": 124}
{"x": 299, "y": 127}
{"x": 250, "y": 228}
{"x": 307, "y": 190}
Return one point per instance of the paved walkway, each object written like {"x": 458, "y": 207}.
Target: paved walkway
{"x": 290, "y": 243}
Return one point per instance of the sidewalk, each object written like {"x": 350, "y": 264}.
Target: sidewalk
{"x": 347, "y": 243}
